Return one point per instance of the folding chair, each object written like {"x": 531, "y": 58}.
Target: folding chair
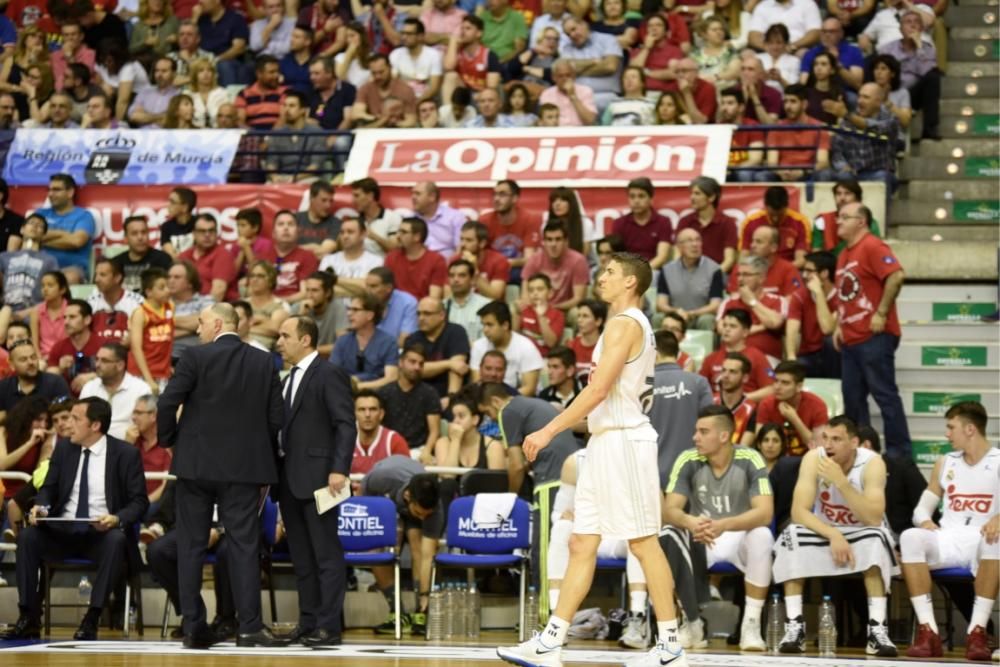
{"x": 487, "y": 548}
{"x": 276, "y": 553}
{"x": 483, "y": 481}
{"x": 367, "y": 530}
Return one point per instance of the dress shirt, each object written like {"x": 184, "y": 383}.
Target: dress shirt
{"x": 98, "y": 502}
{"x": 297, "y": 379}
{"x": 122, "y": 401}
{"x": 444, "y": 229}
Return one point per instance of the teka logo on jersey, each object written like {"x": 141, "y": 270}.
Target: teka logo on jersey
{"x": 839, "y": 515}
{"x": 540, "y": 156}
{"x": 978, "y": 503}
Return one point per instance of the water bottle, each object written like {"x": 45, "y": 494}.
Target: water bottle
{"x": 435, "y": 615}
{"x": 827, "y": 629}
{"x": 775, "y": 623}
{"x": 460, "y": 611}
{"x": 531, "y": 612}
{"x": 473, "y": 610}
{"x": 85, "y": 588}
{"x": 133, "y": 621}
{"x": 449, "y": 611}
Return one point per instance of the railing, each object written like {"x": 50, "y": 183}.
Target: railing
{"x": 766, "y": 130}
{"x": 320, "y": 153}
{"x": 355, "y": 477}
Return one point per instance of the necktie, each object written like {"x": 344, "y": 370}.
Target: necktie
{"x": 83, "y": 501}
{"x": 288, "y": 405}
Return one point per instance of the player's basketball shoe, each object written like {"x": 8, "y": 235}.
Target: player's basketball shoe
{"x": 926, "y": 645}
{"x": 977, "y": 646}
{"x": 660, "y": 656}
{"x": 691, "y": 634}
{"x": 750, "y": 639}
{"x": 532, "y": 653}
{"x": 636, "y": 633}
{"x": 794, "y": 640}
{"x": 878, "y": 641}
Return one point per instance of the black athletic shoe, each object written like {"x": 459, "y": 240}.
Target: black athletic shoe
{"x": 794, "y": 640}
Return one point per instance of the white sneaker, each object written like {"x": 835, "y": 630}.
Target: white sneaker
{"x": 996, "y": 655}
{"x": 750, "y": 639}
{"x": 3, "y": 582}
{"x": 532, "y": 653}
{"x": 660, "y": 656}
{"x": 713, "y": 592}
{"x": 692, "y": 634}
{"x": 636, "y": 633}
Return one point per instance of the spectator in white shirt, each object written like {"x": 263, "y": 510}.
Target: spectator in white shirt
{"x": 801, "y": 17}
{"x": 272, "y": 34}
{"x": 115, "y": 386}
{"x": 416, "y": 64}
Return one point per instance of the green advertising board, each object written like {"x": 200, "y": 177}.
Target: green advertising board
{"x": 927, "y": 452}
{"x": 938, "y": 402}
{"x": 962, "y": 311}
{"x": 976, "y": 210}
{"x": 988, "y": 167}
{"x": 986, "y": 124}
{"x": 955, "y": 356}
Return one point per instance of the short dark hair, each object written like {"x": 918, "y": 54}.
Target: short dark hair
{"x": 187, "y": 196}
{"x": 463, "y": 263}
{"x": 418, "y": 226}
{"x": 191, "y": 271}
{"x": 306, "y": 326}
{"x": 797, "y": 90}
{"x": 368, "y": 185}
{"x": 666, "y": 343}
{"x": 868, "y": 434}
{"x": 735, "y": 93}
{"x": 60, "y": 279}
{"x": 740, "y": 315}
{"x": 490, "y": 390}
{"x": 149, "y": 277}
{"x": 641, "y": 183}
{"x": 134, "y": 218}
{"x": 778, "y": 29}
{"x": 971, "y": 412}
{"x": 84, "y": 307}
{"x": 824, "y": 260}
{"x": 849, "y": 184}
{"x": 369, "y": 393}
{"x": 745, "y": 364}
{"x": 616, "y": 242}
{"x": 65, "y": 179}
{"x": 318, "y": 187}
{"x": 847, "y": 423}
{"x": 98, "y": 410}
{"x": 424, "y": 490}
{"x": 776, "y": 197}
{"x": 563, "y": 354}
{"x": 541, "y": 277}
{"x": 300, "y": 96}
{"x": 677, "y": 318}
{"x": 719, "y": 412}
{"x": 415, "y": 348}
{"x": 263, "y": 61}
{"x": 117, "y": 349}
{"x": 555, "y": 225}
{"x": 482, "y": 232}
{"x": 244, "y": 305}
{"x": 793, "y": 368}
{"x": 328, "y": 278}
{"x": 370, "y": 303}
{"x": 598, "y": 309}
{"x": 474, "y": 21}
{"x": 634, "y": 265}
{"x": 415, "y": 23}
{"x": 512, "y": 184}
{"x": 498, "y": 309}
{"x": 251, "y": 216}
{"x": 384, "y": 274}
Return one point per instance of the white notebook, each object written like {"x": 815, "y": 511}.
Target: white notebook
{"x": 326, "y": 501}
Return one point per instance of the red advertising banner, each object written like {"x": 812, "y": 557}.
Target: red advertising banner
{"x": 541, "y": 157}
{"x": 110, "y": 205}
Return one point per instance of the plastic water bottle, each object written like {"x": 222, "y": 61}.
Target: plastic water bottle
{"x": 775, "y": 623}
{"x": 473, "y": 611}
{"x": 449, "y": 611}
{"x": 85, "y": 588}
{"x": 530, "y": 612}
{"x": 461, "y": 613}
{"x": 435, "y": 615}
{"x": 133, "y": 621}
{"x": 827, "y": 629}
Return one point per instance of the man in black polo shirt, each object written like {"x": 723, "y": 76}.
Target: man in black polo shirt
{"x": 447, "y": 347}
{"x": 27, "y": 379}
{"x": 141, "y": 255}
{"x": 412, "y": 407}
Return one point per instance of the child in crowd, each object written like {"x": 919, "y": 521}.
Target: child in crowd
{"x": 48, "y": 318}
{"x": 151, "y": 332}
{"x": 537, "y": 319}
{"x": 249, "y": 245}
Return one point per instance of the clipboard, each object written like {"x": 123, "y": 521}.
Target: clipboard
{"x": 326, "y": 501}
{"x": 66, "y": 519}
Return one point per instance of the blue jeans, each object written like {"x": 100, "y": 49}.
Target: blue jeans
{"x": 233, "y": 72}
{"x": 823, "y": 363}
{"x": 870, "y": 368}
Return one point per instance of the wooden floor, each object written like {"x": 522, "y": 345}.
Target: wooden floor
{"x": 362, "y": 649}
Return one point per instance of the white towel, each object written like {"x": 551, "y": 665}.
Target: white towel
{"x": 491, "y": 509}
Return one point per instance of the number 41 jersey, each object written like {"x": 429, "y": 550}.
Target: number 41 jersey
{"x": 720, "y": 497}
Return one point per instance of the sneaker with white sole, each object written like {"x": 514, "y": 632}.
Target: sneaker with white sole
{"x": 691, "y": 634}
{"x": 996, "y": 655}
{"x": 750, "y": 639}
{"x": 636, "y": 633}
{"x": 794, "y": 640}
{"x": 532, "y": 653}
{"x": 660, "y": 656}
{"x": 878, "y": 641}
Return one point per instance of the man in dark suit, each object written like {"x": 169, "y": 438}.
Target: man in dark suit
{"x": 317, "y": 441}
{"x": 224, "y": 453}
{"x": 91, "y": 476}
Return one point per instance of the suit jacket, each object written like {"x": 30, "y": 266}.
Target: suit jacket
{"x": 124, "y": 482}
{"x": 904, "y": 485}
{"x": 228, "y": 431}
{"x": 321, "y": 431}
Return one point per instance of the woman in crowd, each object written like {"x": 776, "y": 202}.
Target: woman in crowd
{"x": 564, "y": 204}
{"x": 737, "y": 18}
{"x": 823, "y": 84}
{"x": 670, "y": 110}
{"x": 180, "y": 113}
{"x": 155, "y": 33}
{"x": 887, "y": 74}
{"x": 517, "y": 105}
{"x": 30, "y": 52}
{"x": 533, "y": 66}
{"x": 47, "y": 318}
{"x": 464, "y": 446}
{"x": 26, "y": 445}
{"x": 772, "y": 443}
{"x": 632, "y": 107}
{"x": 119, "y": 75}
{"x": 614, "y": 22}
{"x": 268, "y": 310}
{"x": 718, "y": 62}
{"x": 206, "y": 93}
{"x": 351, "y": 64}
{"x": 780, "y": 67}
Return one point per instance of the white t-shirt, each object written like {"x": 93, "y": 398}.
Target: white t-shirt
{"x": 130, "y": 71}
{"x": 386, "y": 226}
{"x": 799, "y": 16}
{"x": 884, "y": 27}
{"x": 522, "y": 356}
{"x": 357, "y": 75}
{"x": 350, "y": 268}
{"x": 788, "y": 66}
{"x": 416, "y": 73}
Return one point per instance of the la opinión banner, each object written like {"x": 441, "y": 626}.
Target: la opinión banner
{"x": 541, "y": 157}
{"x": 122, "y": 157}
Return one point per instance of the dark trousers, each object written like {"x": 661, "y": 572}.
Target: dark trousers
{"x": 823, "y": 363}
{"x": 318, "y": 559}
{"x": 162, "y": 558}
{"x": 238, "y": 513}
{"x": 39, "y": 544}
{"x": 870, "y": 368}
{"x": 926, "y": 97}
{"x": 689, "y": 567}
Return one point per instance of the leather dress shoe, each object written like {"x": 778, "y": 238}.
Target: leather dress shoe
{"x": 24, "y": 628}
{"x": 223, "y": 628}
{"x": 263, "y": 637}
{"x": 87, "y": 632}
{"x": 298, "y": 634}
{"x": 202, "y": 639}
{"x": 321, "y": 637}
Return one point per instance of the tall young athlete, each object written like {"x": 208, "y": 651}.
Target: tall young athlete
{"x": 617, "y": 495}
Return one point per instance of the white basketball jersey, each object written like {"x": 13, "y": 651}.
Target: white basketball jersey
{"x": 971, "y": 493}
{"x": 631, "y": 394}
{"x": 830, "y": 505}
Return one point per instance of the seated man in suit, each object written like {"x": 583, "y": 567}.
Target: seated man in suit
{"x": 95, "y": 478}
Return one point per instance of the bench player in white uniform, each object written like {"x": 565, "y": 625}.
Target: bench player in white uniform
{"x": 968, "y": 480}
{"x": 636, "y": 633}
{"x": 838, "y": 527}
{"x": 730, "y": 505}
{"x": 618, "y": 494}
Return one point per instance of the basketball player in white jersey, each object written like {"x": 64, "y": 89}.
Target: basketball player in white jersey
{"x": 838, "y": 527}
{"x": 636, "y": 633}
{"x": 618, "y": 494}
{"x": 968, "y": 480}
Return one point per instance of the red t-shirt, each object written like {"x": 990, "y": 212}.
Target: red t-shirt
{"x": 584, "y": 359}
{"x": 385, "y": 444}
{"x": 417, "y": 276}
{"x": 720, "y": 233}
{"x": 492, "y": 265}
{"x": 861, "y": 273}
{"x": 742, "y": 140}
{"x": 293, "y": 268}
{"x": 571, "y": 271}
{"x": 660, "y": 57}
{"x": 511, "y": 240}
{"x": 760, "y": 375}
{"x": 768, "y": 341}
{"x": 742, "y": 414}
{"x": 65, "y": 348}
{"x": 157, "y": 341}
{"x": 643, "y": 239}
{"x": 802, "y": 307}
{"x": 677, "y": 29}
{"x": 155, "y": 459}
{"x": 790, "y": 143}
{"x": 782, "y": 278}
{"x": 811, "y": 409}
{"x": 216, "y": 264}
{"x": 533, "y": 330}
{"x": 794, "y": 232}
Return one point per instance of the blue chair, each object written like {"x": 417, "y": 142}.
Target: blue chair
{"x": 618, "y": 565}
{"x": 367, "y": 530}
{"x": 277, "y": 550}
{"x": 487, "y": 548}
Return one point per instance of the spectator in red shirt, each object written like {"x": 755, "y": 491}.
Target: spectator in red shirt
{"x": 868, "y": 281}
{"x": 142, "y": 434}
{"x": 763, "y": 101}
{"x": 812, "y": 319}
{"x": 590, "y": 317}
{"x": 796, "y": 154}
{"x": 293, "y": 263}
{"x": 767, "y": 311}
{"x": 511, "y": 232}
{"x": 73, "y": 356}
{"x": 537, "y": 318}
{"x": 801, "y": 412}
{"x": 735, "y": 370}
{"x": 209, "y": 256}
{"x": 719, "y": 237}
{"x": 782, "y": 277}
{"x": 258, "y": 106}
{"x": 492, "y": 268}
{"x": 566, "y": 268}
{"x": 794, "y": 230}
{"x": 375, "y": 442}
{"x": 644, "y": 231}
{"x": 656, "y": 56}
{"x": 734, "y": 329}
{"x": 418, "y": 271}
{"x": 698, "y": 95}
{"x": 747, "y": 147}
